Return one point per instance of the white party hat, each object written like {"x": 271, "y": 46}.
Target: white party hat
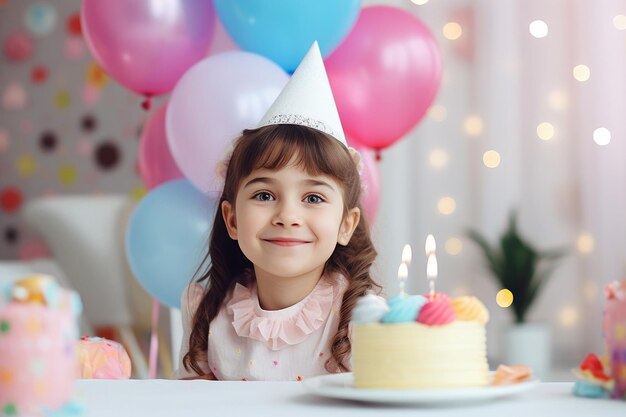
{"x": 307, "y": 99}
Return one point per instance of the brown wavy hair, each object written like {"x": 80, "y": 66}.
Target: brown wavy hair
{"x": 273, "y": 147}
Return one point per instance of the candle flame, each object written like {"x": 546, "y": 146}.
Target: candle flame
{"x": 430, "y": 247}
{"x": 403, "y": 271}
{"x": 407, "y": 254}
{"x": 431, "y": 266}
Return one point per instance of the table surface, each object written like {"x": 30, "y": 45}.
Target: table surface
{"x": 159, "y": 397}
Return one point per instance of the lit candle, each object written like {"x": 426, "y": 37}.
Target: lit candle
{"x": 431, "y": 246}
{"x": 403, "y": 273}
{"x": 403, "y": 270}
{"x": 407, "y": 254}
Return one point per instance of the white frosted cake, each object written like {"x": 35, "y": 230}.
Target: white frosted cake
{"x": 414, "y": 341}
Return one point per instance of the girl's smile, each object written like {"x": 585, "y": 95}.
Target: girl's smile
{"x": 287, "y": 241}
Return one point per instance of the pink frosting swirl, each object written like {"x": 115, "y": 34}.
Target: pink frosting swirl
{"x": 437, "y": 313}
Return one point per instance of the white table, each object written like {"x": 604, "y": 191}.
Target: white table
{"x": 155, "y": 398}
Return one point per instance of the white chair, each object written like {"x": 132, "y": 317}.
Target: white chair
{"x": 85, "y": 234}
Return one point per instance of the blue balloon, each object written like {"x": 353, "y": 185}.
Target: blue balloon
{"x": 284, "y": 30}
{"x": 167, "y": 237}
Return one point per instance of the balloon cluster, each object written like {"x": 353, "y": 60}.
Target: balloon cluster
{"x": 383, "y": 64}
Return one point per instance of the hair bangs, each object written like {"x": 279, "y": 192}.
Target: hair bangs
{"x": 314, "y": 151}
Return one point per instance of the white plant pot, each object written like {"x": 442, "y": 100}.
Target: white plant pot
{"x": 529, "y": 344}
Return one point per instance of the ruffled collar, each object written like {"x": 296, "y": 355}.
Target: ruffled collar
{"x": 280, "y": 328}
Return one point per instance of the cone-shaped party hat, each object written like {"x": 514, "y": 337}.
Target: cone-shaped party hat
{"x": 307, "y": 99}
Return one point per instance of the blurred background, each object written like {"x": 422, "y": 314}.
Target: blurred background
{"x": 526, "y": 117}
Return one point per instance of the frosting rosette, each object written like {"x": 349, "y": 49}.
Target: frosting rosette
{"x": 470, "y": 309}
{"x": 592, "y": 381}
{"x": 369, "y": 309}
{"x": 435, "y": 309}
{"x": 436, "y": 313}
{"x": 404, "y": 309}
{"x": 43, "y": 290}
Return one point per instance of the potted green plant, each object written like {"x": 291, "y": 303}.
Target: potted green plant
{"x": 520, "y": 267}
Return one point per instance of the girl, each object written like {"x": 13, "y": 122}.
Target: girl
{"x": 290, "y": 254}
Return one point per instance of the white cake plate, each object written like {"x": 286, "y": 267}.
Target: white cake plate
{"x": 342, "y": 386}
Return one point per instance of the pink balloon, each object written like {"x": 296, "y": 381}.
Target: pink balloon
{"x": 211, "y": 105}
{"x": 147, "y": 45}
{"x": 370, "y": 180}
{"x": 384, "y": 75}
{"x": 156, "y": 163}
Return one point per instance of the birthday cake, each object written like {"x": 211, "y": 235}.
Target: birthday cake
{"x": 38, "y": 333}
{"x": 415, "y": 341}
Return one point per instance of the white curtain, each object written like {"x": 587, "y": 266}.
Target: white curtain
{"x": 499, "y": 84}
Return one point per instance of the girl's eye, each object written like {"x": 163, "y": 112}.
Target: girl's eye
{"x": 313, "y": 199}
{"x": 263, "y": 196}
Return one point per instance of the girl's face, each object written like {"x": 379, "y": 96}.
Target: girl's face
{"x": 288, "y": 222}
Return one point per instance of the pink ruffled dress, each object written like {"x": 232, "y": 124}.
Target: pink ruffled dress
{"x": 251, "y": 344}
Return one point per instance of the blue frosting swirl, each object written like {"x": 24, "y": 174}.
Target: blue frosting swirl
{"x": 404, "y": 308}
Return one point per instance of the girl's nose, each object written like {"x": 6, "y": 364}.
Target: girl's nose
{"x": 287, "y": 214}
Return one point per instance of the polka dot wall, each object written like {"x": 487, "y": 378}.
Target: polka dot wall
{"x": 65, "y": 127}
